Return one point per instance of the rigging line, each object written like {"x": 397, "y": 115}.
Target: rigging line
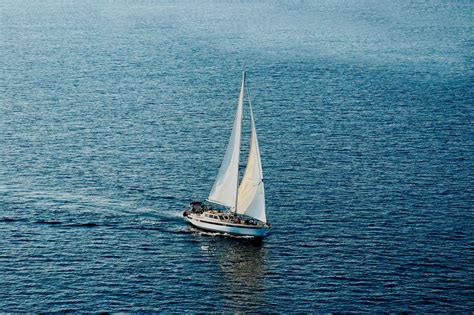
{"x": 250, "y": 104}
{"x": 247, "y": 89}
{"x": 248, "y": 97}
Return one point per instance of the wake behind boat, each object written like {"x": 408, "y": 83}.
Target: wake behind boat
{"x": 245, "y": 203}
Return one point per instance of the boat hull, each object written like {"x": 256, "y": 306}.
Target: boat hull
{"x": 253, "y": 231}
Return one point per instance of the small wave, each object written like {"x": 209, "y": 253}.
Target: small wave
{"x": 89, "y": 224}
{"x": 161, "y": 197}
{"x": 150, "y": 228}
{"x": 181, "y": 231}
{"x": 6, "y": 219}
{"x": 48, "y": 222}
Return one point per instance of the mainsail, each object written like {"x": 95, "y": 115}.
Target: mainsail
{"x": 251, "y": 195}
{"x": 224, "y": 190}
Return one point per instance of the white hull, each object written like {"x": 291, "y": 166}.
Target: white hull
{"x": 234, "y": 229}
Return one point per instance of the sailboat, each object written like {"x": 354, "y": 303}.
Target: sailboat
{"x": 244, "y": 204}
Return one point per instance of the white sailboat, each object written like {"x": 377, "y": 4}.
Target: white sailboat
{"x": 245, "y": 203}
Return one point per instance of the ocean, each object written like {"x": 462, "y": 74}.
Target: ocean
{"x": 115, "y": 114}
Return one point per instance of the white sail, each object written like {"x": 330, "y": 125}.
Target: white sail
{"x": 251, "y": 197}
{"x": 224, "y": 190}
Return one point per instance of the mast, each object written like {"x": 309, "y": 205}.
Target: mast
{"x": 242, "y": 89}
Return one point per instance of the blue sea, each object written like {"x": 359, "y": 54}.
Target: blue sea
{"x": 115, "y": 114}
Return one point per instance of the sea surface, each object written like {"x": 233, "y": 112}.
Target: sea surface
{"x": 115, "y": 114}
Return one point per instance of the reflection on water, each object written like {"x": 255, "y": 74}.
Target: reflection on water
{"x": 243, "y": 263}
